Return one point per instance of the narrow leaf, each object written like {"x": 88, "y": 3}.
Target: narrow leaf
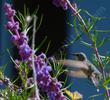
{"x": 86, "y": 44}
{"x": 40, "y": 45}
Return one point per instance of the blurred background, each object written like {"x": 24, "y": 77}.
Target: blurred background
{"x": 55, "y": 27}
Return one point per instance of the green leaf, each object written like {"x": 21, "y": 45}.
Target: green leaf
{"x": 41, "y": 44}
{"x": 93, "y": 96}
{"x": 75, "y": 26}
{"x": 73, "y": 41}
{"x": 26, "y": 11}
{"x": 106, "y": 82}
{"x": 36, "y": 11}
{"x": 94, "y": 38}
{"x": 102, "y": 31}
{"x": 90, "y": 27}
{"x": 40, "y": 23}
{"x": 21, "y": 19}
{"x": 101, "y": 42}
{"x": 47, "y": 47}
{"x": 86, "y": 44}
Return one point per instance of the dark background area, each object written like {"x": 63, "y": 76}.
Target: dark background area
{"x": 53, "y": 25}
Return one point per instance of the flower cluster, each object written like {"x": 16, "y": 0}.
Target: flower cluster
{"x": 61, "y": 3}
{"x": 45, "y": 82}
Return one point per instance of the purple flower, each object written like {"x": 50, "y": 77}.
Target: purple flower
{"x": 47, "y": 69}
{"x": 18, "y": 41}
{"x": 15, "y": 26}
{"x": 24, "y": 37}
{"x": 9, "y": 25}
{"x": 9, "y": 11}
{"x": 51, "y": 95}
{"x": 25, "y": 51}
{"x": 42, "y": 55}
{"x": 39, "y": 63}
{"x": 30, "y": 82}
{"x": 56, "y": 3}
{"x": 14, "y": 39}
{"x": 7, "y": 81}
{"x": 12, "y": 25}
{"x": 20, "y": 91}
{"x": 60, "y": 96}
{"x": 43, "y": 82}
{"x": 10, "y": 14}
{"x": 64, "y": 4}
{"x": 55, "y": 86}
{"x": 61, "y": 3}
{"x": 7, "y": 7}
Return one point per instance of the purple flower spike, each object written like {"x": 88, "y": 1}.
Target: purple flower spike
{"x": 9, "y": 11}
{"x": 45, "y": 82}
{"x": 7, "y": 7}
{"x": 25, "y": 51}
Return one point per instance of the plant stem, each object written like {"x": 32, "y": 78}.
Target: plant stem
{"x": 76, "y": 13}
{"x": 94, "y": 46}
{"x": 33, "y": 64}
{"x": 102, "y": 70}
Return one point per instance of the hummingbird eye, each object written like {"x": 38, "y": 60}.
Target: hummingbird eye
{"x": 81, "y": 57}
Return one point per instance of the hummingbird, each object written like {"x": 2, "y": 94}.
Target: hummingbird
{"x": 81, "y": 67}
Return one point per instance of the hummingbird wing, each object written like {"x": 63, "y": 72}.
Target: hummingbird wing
{"x": 73, "y": 64}
{"x": 78, "y": 74}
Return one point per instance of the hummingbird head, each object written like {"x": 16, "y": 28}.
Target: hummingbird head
{"x": 80, "y": 56}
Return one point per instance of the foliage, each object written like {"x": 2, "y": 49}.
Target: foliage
{"x": 38, "y": 75}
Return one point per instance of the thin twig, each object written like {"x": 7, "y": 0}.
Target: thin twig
{"x": 76, "y": 13}
{"x": 33, "y": 64}
{"x": 102, "y": 70}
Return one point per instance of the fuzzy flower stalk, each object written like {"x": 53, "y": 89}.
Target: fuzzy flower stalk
{"x": 47, "y": 84}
